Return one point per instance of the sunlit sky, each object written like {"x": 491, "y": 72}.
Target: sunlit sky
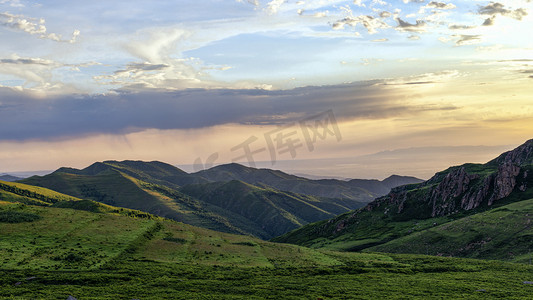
{"x": 418, "y": 84}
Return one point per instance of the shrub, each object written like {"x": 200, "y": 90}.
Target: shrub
{"x": 11, "y": 216}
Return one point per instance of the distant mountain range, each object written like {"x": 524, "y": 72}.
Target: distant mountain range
{"x": 9, "y": 178}
{"x": 230, "y": 198}
{"x": 453, "y": 213}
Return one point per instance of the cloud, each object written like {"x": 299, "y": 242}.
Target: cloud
{"x": 37, "y": 74}
{"x": 419, "y": 26}
{"x": 426, "y": 78}
{"x": 440, "y": 5}
{"x": 381, "y": 40}
{"x": 274, "y": 6}
{"x": 26, "y": 61}
{"x": 462, "y": 39}
{"x": 460, "y": 27}
{"x": 33, "y": 26}
{"x": 159, "y": 63}
{"x": 385, "y": 14}
{"x": 370, "y": 23}
{"x": 253, "y": 2}
{"x": 495, "y": 8}
{"x": 78, "y": 115}
{"x": 12, "y": 3}
{"x": 466, "y": 39}
{"x": 436, "y": 5}
{"x": 489, "y": 21}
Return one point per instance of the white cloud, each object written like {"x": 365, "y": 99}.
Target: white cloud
{"x": 159, "y": 64}
{"x": 359, "y": 3}
{"x": 253, "y": 2}
{"x": 436, "y": 5}
{"x": 371, "y": 24}
{"x": 12, "y": 3}
{"x": 33, "y": 26}
{"x": 466, "y": 39}
{"x": 321, "y": 14}
{"x": 274, "y": 6}
{"x": 419, "y": 26}
{"x": 460, "y": 27}
{"x": 385, "y": 14}
{"x": 37, "y": 74}
{"x": 495, "y": 8}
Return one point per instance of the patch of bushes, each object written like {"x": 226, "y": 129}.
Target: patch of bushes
{"x": 175, "y": 240}
{"x": 250, "y": 244}
{"x": 11, "y": 216}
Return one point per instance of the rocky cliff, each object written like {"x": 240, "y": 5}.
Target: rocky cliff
{"x": 464, "y": 187}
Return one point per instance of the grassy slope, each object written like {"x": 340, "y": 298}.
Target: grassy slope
{"x": 504, "y": 233}
{"x": 115, "y": 188}
{"x": 362, "y": 229}
{"x": 88, "y": 255}
{"x": 278, "y": 212}
{"x": 349, "y": 193}
{"x": 19, "y": 192}
{"x": 244, "y": 209}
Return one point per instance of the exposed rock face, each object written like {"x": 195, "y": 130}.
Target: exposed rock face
{"x": 504, "y": 181}
{"x": 460, "y": 190}
{"x": 522, "y": 155}
{"x": 452, "y": 186}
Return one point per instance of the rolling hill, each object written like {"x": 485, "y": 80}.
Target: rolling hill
{"x": 230, "y": 206}
{"x": 51, "y": 252}
{"x": 7, "y": 177}
{"x": 360, "y": 190}
{"x": 112, "y": 187}
{"x": 453, "y": 198}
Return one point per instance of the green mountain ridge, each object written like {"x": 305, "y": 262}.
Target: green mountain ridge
{"x": 7, "y": 177}
{"x": 230, "y": 206}
{"x": 412, "y": 211}
{"x": 360, "y": 190}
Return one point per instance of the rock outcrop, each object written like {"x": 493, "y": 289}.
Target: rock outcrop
{"x": 459, "y": 189}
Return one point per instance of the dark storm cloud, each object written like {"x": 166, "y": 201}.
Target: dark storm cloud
{"x": 23, "y": 117}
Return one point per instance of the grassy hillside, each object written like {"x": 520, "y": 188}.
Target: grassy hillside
{"x": 278, "y": 212}
{"x": 89, "y": 255}
{"x": 414, "y": 212}
{"x": 233, "y": 207}
{"x": 504, "y": 233}
{"x": 23, "y": 193}
{"x": 354, "y": 192}
{"x": 112, "y": 187}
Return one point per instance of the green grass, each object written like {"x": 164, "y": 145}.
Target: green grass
{"x": 104, "y": 255}
{"x": 504, "y": 233}
{"x": 234, "y": 206}
{"x": 28, "y": 194}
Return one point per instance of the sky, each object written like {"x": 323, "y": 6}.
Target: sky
{"x": 354, "y": 89}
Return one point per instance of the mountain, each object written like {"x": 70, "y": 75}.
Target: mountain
{"x": 504, "y": 233}
{"x": 27, "y": 194}
{"x": 449, "y": 195}
{"x": 360, "y": 190}
{"x": 52, "y": 252}
{"x": 7, "y": 177}
{"x": 109, "y": 185}
{"x": 278, "y": 212}
{"x": 230, "y": 206}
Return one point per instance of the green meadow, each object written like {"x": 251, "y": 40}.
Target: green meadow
{"x": 105, "y": 255}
